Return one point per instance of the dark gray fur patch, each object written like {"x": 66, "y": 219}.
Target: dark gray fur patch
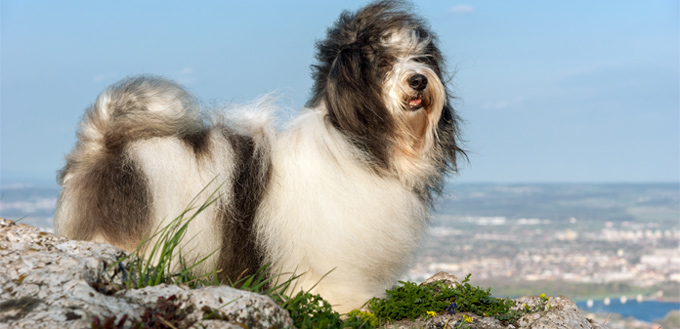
{"x": 199, "y": 142}
{"x": 114, "y": 200}
{"x": 239, "y": 255}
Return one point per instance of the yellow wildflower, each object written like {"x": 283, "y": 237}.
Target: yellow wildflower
{"x": 467, "y": 318}
{"x": 431, "y": 313}
{"x": 366, "y": 317}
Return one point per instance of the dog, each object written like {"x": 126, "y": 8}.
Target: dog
{"x": 341, "y": 195}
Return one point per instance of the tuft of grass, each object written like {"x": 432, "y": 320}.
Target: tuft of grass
{"x": 262, "y": 283}
{"x": 157, "y": 266}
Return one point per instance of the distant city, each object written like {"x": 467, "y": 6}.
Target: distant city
{"x": 583, "y": 241}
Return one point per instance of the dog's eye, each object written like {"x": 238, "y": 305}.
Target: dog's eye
{"x": 422, "y": 60}
{"x": 385, "y": 64}
{"x": 422, "y": 34}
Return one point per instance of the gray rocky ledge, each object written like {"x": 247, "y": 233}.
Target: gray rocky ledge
{"x": 51, "y": 282}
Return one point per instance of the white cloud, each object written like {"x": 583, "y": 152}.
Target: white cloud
{"x": 184, "y": 76}
{"x": 461, "y": 9}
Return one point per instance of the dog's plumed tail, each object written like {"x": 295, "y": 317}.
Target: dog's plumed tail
{"x": 101, "y": 179}
{"x": 137, "y": 108}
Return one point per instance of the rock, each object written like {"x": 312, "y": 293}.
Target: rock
{"x": 446, "y": 278}
{"x": 556, "y": 312}
{"x": 51, "y": 282}
{"x": 546, "y": 313}
{"x": 560, "y": 316}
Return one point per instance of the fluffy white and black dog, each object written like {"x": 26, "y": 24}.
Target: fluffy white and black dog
{"x": 345, "y": 189}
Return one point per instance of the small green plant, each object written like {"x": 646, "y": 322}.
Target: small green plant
{"x": 461, "y": 324}
{"x": 307, "y": 310}
{"x": 262, "y": 283}
{"x": 360, "y": 319}
{"x": 542, "y": 304}
{"x": 310, "y": 311}
{"x": 412, "y": 301}
{"x": 408, "y": 301}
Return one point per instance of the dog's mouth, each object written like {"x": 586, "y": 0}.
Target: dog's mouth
{"x": 416, "y": 103}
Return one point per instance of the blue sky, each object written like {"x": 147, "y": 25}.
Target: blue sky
{"x": 569, "y": 91}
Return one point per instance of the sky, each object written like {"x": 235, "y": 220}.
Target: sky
{"x": 550, "y": 91}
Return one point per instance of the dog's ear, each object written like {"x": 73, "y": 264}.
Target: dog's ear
{"x": 448, "y": 138}
{"x": 355, "y": 105}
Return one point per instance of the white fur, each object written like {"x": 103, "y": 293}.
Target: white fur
{"x": 175, "y": 178}
{"x": 413, "y": 161}
{"x": 327, "y": 213}
{"x": 178, "y": 180}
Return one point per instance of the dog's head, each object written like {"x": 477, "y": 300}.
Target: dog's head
{"x": 380, "y": 77}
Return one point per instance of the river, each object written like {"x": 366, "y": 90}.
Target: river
{"x": 648, "y": 311}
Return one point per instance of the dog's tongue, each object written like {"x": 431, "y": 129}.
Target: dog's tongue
{"x": 415, "y": 103}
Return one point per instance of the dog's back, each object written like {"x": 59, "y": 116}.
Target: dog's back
{"x": 145, "y": 155}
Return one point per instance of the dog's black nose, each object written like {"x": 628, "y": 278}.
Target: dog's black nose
{"x": 418, "y": 82}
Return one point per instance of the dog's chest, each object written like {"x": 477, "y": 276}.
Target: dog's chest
{"x": 319, "y": 189}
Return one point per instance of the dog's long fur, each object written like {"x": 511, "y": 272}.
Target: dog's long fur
{"x": 346, "y": 188}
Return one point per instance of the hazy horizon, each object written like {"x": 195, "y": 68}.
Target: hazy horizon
{"x": 450, "y": 185}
